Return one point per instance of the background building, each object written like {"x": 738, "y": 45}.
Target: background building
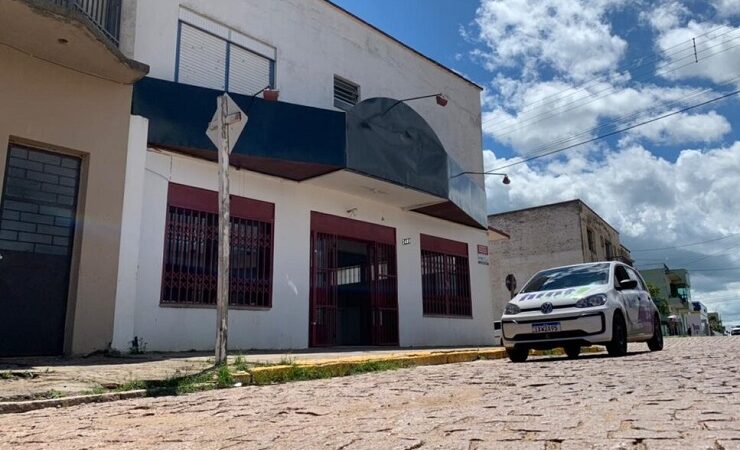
{"x": 548, "y": 236}
{"x": 674, "y": 285}
{"x": 64, "y": 124}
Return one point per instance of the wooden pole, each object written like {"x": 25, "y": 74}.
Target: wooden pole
{"x": 224, "y": 235}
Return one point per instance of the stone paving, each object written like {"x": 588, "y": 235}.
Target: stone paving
{"x": 685, "y": 397}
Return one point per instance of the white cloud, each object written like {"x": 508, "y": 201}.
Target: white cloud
{"x": 685, "y": 128}
{"x": 570, "y": 36}
{"x": 726, "y": 8}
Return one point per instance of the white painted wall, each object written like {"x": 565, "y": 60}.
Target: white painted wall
{"x": 285, "y": 325}
{"x": 315, "y": 41}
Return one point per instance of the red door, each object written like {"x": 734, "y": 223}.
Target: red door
{"x": 323, "y": 310}
{"x": 383, "y": 294}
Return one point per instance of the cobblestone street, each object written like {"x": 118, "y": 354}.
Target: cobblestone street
{"x": 685, "y": 397}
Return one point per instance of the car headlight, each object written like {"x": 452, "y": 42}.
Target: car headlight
{"x": 511, "y": 309}
{"x": 591, "y": 300}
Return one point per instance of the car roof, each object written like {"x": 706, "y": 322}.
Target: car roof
{"x": 582, "y": 265}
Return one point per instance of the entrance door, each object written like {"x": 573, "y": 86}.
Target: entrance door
{"x": 353, "y": 283}
{"x": 37, "y": 207}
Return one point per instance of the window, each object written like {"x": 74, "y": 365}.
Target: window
{"x": 609, "y": 250}
{"x": 346, "y": 93}
{"x": 633, "y": 275}
{"x": 213, "y": 56}
{"x": 191, "y": 249}
{"x": 590, "y": 235}
{"x": 445, "y": 277}
{"x": 568, "y": 277}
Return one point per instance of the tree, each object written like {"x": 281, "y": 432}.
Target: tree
{"x": 715, "y": 324}
{"x": 660, "y": 303}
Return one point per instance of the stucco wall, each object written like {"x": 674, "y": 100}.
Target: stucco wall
{"x": 539, "y": 238}
{"x": 55, "y": 108}
{"x": 315, "y": 41}
{"x": 285, "y": 325}
{"x": 601, "y": 231}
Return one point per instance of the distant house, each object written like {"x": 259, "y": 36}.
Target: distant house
{"x": 674, "y": 285}
{"x": 548, "y": 236}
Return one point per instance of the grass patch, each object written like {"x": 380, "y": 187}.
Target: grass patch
{"x": 96, "y": 390}
{"x": 240, "y": 364}
{"x": 47, "y": 395}
{"x": 297, "y": 372}
{"x": 211, "y": 378}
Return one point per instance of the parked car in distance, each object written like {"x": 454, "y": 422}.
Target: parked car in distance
{"x": 735, "y": 331}
{"x": 603, "y": 303}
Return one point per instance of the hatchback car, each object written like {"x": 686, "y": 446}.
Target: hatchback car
{"x": 603, "y": 303}
{"x": 735, "y": 331}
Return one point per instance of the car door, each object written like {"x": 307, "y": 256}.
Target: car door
{"x": 646, "y": 307}
{"x": 630, "y": 298}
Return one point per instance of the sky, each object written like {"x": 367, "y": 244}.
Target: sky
{"x": 557, "y": 73}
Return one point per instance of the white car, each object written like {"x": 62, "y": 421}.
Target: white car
{"x": 603, "y": 303}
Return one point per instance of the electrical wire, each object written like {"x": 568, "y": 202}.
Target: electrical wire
{"x": 684, "y": 245}
{"x": 522, "y": 124}
{"x": 636, "y": 64}
{"x": 655, "y": 119}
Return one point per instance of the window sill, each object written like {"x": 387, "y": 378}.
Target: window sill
{"x": 231, "y": 307}
{"x": 448, "y": 316}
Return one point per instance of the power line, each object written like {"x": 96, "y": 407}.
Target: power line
{"x": 685, "y": 245}
{"x": 637, "y": 64}
{"x": 609, "y": 90}
{"x": 622, "y": 130}
{"x": 715, "y": 270}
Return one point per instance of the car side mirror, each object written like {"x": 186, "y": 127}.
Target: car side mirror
{"x": 627, "y": 284}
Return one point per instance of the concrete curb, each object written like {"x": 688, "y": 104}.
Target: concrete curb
{"x": 30, "y": 405}
{"x": 267, "y": 374}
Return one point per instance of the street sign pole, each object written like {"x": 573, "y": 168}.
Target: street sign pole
{"x": 228, "y": 122}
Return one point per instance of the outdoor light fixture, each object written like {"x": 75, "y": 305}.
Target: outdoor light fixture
{"x": 506, "y": 179}
{"x": 269, "y": 94}
{"x": 440, "y": 98}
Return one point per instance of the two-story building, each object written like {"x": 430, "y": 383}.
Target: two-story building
{"x": 351, "y": 221}
{"x": 65, "y": 102}
{"x": 547, "y": 236}
{"x": 674, "y": 286}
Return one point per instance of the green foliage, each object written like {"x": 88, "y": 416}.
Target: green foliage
{"x": 660, "y": 303}
{"x": 223, "y": 377}
{"x": 716, "y": 325}
{"x": 240, "y": 364}
{"x": 301, "y": 373}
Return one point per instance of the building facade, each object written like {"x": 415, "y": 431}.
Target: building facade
{"x": 351, "y": 221}
{"x": 548, "y": 236}
{"x": 674, "y": 285}
{"x": 64, "y": 124}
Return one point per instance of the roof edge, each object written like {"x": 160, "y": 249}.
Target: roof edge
{"x": 406, "y": 46}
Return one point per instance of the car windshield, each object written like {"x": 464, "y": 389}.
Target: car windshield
{"x": 567, "y": 277}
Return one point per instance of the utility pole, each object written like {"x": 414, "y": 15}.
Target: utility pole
{"x": 224, "y": 130}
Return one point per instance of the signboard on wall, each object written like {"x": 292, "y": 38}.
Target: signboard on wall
{"x": 483, "y": 255}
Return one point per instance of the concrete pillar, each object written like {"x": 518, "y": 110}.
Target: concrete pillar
{"x": 133, "y": 198}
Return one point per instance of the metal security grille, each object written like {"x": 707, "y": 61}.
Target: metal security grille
{"x": 445, "y": 284}
{"x": 191, "y": 260}
{"x": 346, "y": 93}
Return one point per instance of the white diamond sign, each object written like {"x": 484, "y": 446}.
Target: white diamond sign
{"x": 227, "y": 113}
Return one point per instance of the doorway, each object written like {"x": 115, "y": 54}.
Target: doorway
{"x": 38, "y": 207}
{"x": 353, "y": 283}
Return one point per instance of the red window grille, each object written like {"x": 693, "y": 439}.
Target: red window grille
{"x": 445, "y": 274}
{"x": 191, "y": 250}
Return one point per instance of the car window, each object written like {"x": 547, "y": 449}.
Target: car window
{"x": 633, "y": 275}
{"x": 620, "y": 274}
{"x": 567, "y": 277}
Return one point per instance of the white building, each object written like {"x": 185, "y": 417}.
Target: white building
{"x": 354, "y": 223}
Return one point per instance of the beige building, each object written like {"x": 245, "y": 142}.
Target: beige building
{"x": 65, "y": 92}
{"x": 548, "y": 236}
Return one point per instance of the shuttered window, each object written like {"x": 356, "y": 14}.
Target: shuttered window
{"x": 209, "y": 60}
{"x": 202, "y": 58}
{"x": 445, "y": 277}
{"x": 346, "y": 93}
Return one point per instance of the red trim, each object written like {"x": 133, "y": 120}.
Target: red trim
{"x": 205, "y": 200}
{"x": 441, "y": 245}
{"x": 350, "y": 228}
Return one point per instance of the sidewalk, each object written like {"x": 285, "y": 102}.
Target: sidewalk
{"x": 36, "y": 378}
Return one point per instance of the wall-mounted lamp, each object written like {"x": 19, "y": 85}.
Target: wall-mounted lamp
{"x": 440, "y": 98}
{"x": 506, "y": 179}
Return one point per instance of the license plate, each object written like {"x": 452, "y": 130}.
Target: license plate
{"x": 547, "y": 327}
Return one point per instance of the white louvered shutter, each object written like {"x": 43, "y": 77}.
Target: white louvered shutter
{"x": 248, "y": 72}
{"x": 202, "y": 58}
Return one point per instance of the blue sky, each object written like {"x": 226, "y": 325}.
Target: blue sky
{"x": 563, "y": 71}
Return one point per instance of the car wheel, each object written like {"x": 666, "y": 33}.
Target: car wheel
{"x": 517, "y": 354}
{"x": 618, "y": 345}
{"x": 572, "y": 351}
{"x": 655, "y": 344}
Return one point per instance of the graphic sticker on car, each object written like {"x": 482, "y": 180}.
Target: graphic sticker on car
{"x": 562, "y": 293}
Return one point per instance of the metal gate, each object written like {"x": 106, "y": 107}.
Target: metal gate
{"x": 381, "y": 273}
